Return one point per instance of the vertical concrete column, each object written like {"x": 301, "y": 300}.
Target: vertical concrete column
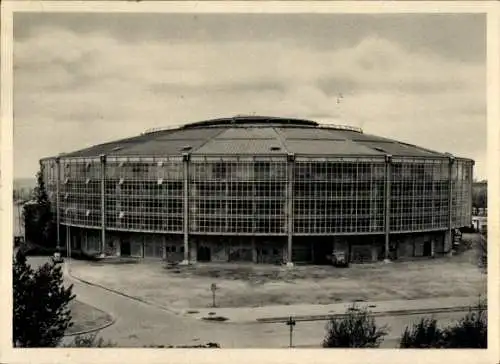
{"x": 164, "y": 248}
{"x": 374, "y": 252}
{"x": 433, "y": 221}
{"x": 103, "y": 203}
{"x": 227, "y": 201}
{"x": 289, "y": 207}
{"x": 449, "y": 237}
{"x": 387, "y": 209}
{"x": 254, "y": 249}
{"x": 118, "y": 247}
{"x": 68, "y": 242}
{"x": 185, "y": 162}
{"x": 58, "y": 206}
{"x": 471, "y": 179}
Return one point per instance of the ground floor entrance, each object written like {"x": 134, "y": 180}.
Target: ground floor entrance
{"x": 259, "y": 249}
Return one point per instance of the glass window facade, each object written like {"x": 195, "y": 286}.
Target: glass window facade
{"x": 144, "y": 195}
{"x": 419, "y": 194}
{"x": 80, "y": 192}
{"x": 239, "y": 195}
{"x": 462, "y": 198}
{"x": 338, "y": 197}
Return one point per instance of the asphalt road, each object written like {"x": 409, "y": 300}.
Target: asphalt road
{"x": 138, "y": 324}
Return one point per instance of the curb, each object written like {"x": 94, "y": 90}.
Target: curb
{"x": 119, "y": 293}
{"x": 374, "y": 314}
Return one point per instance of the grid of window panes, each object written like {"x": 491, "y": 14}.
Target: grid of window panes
{"x": 462, "y": 180}
{"x": 144, "y": 194}
{"x": 339, "y": 196}
{"x": 419, "y": 194}
{"x": 49, "y": 175}
{"x": 80, "y": 191}
{"x": 238, "y": 196}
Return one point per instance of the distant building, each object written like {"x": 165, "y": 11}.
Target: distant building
{"x": 480, "y": 223}
{"x": 260, "y": 189}
{"x": 480, "y": 211}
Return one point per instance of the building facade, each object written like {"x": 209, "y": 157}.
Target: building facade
{"x": 259, "y": 189}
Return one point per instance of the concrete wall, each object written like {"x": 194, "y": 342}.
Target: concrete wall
{"x": 193, "y": 251}
{"x": 219, "y": 251}
{"x": 112, "y": 245}
{"x": 174, "y": 248}
{"x": 153, "y": 246}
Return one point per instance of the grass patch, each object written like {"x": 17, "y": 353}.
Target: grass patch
{"x": 252, "y": 285}
{"x": 86, "y": 317}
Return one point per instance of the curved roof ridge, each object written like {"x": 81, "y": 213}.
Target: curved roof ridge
{"x": 249, "y": 120}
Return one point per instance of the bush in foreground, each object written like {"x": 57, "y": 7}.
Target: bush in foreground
{"x": 424, "y": 335}
{"x": 470, "y": 332}
{"x": 41, "y": 304}
{"x": 356, "y": 329}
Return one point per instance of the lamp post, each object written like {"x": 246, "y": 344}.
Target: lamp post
{"x": 291, "y": 323}
{"x": 213, "y": 288}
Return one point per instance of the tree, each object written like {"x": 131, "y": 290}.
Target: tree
{"x": 424, "y": 335}
{"x": 39, "y": 224}
{"x": 480, "y": 195}
{"x": 482, "y": 250}
{"x": 41, "y": 304}
{"x": 356, "y": 329}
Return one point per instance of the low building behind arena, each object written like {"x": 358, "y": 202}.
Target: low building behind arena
{"x": 259, "y": 189}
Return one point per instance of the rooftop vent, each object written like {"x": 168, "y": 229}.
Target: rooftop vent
{"x": 341, "y": 127}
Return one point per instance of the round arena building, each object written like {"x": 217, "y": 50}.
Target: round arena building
{"x": 259, "y": 189}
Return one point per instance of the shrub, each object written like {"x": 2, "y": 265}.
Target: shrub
{"x": 41, "y": 304}
{"x": 424, "y": 335}
{"x": 482, "y": 251}
{"x": 471, "y": 331}
{"x": 89, "y": 341}
{"x": 356, "y": 329}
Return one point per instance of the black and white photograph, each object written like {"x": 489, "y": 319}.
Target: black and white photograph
{"x": 193, "y": 179}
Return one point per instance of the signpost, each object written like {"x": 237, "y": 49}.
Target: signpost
{"x": 291, "y": 323}
{"x": 213, "y": 288}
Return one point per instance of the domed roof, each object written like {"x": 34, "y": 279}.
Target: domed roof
{"x": 257, "y": 135}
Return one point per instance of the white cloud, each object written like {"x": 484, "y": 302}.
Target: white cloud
{"x": 108, "y": 89}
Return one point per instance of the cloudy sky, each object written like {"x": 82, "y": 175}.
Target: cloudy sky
{"x": 83, "y": 79}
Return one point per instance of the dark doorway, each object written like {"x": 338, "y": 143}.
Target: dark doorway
{"x": 77, "y": 243}
{"x": 204, "y": 254}
{"x": 322, "y": 252}
{"x": 125, "y": 248}
{"x": 427, "y": 249}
